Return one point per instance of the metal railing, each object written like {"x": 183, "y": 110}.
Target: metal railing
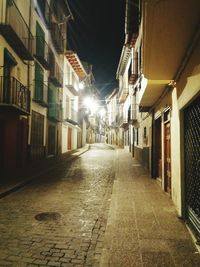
{"x": 42, "y": 51}
{"x": 45, "y": 10}
{"x": 15, "y": 20}
{"x": 122, "y": 120}
{"x": 12, "y": 92}
{"x": 74, "y": 115}
{"x": 57, "y": 37}
{"x": 56, "y": 75}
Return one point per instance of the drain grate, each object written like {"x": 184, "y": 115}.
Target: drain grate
{"x": 48, "y": 216}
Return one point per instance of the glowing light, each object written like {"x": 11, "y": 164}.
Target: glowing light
{"x": 91, "y": 104}
{"x": 81, "y": 86}
{"x": 102, "y": 112}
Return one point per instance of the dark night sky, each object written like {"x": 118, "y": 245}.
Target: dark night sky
{"x": 97, "y": 35}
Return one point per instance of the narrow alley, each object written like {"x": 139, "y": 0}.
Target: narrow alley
{"x": 100, "y": 209}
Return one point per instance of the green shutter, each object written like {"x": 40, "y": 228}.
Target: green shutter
{"x": 9, "y": 58}
{"x": 9, "y": 2}
{"x": 40, "y": 41}
{"x": 52, "y": 100}
{"x": 39, "y": 77}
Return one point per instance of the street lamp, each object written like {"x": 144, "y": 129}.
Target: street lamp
{"x": 90, "y": 104}
{"x": 81, "y": 85}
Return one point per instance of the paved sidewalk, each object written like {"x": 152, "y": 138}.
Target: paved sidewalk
{"x": 143, "y": 228}
{"x": 35, "y": 169}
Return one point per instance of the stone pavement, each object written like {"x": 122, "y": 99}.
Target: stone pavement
{"x": 78, "y": 192}
{"x": 35, "y": 169}
{"x": 143, "y": 228}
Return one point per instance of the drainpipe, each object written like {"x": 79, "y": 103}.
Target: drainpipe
{"x": 152, "y": 145}
{"x": 29, "y": 45}
{"x": 28, "y": 76}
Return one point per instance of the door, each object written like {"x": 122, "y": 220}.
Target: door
{"x": 52, "y": 140}
{"x": 69, "y": 138}
{"x": 133, "y": 142}
{"x": 22, "y": 141}
{"x": 158, "y": 149}
{"x": 192, "y": 164}
{"x": 167, "y": 158}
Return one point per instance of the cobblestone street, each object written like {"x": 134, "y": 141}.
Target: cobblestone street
{"x": 80, "y": 192}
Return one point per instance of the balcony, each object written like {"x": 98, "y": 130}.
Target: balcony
{"x": 14, "y": 95}
{"x": 42, "y": 52}
{"x": 45, "y": 10}
{"x": 132, "y": 78}
{"x": 162, "y": 62}
{"x": 56, "y": 75}
{"x": 55, "y": 112}
{"x": 72, "y": 90}
{"x": 57, "y": 38}
{"x": 133, "y": 114}
{"x": 15, "y": 30}
{"x": 72, "y": 117}
{"x": 123, "y": 93}
{"x": 41, "y": 93}
{"x": 123, "y": 122}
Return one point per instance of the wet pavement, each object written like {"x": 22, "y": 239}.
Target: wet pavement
{"x": 100, "y": 209}
{"x": 79, "y": 192}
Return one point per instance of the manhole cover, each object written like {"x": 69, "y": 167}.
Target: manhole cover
{"x": 48, "y": 216}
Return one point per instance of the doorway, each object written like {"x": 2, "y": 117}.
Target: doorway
{"x": 167, "y": 158}
{"x": 158, "y": 149}
{"x": 69, "y": 138}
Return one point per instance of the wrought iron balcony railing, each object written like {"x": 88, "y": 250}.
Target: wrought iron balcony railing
{"x": 45, "y": 10}
{"x": 72, "y": 116}
{"x": 14, "y": 94}
{"x": 57, "y": 38}
{"x": 41, "y": 93}
{"x": 15, "y": 30}
{"x": 42, "y": 52}
{"x": 56, "y": 75}
{"x": 122, "y": 121}
{"x": 123, "y": 93}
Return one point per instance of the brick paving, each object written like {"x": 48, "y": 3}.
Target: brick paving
{"x": 112, "y": 215}
{"x": 143, "y": 228}
{"x": 80, "y": 191}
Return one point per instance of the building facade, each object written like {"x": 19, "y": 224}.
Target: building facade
{"x": 165, "y": 85}
{"x": 39, "y": 102}
{"x": 112, "y": 118}
{"x": 17, "y": 53}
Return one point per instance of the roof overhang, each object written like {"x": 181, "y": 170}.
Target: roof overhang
{"x": 125, "y": 56}
{"x": 168, "y": 28}
{"x": 150, "y": 91}
{"x": 72, "y": 90}
{"x": 76, "y": 64}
